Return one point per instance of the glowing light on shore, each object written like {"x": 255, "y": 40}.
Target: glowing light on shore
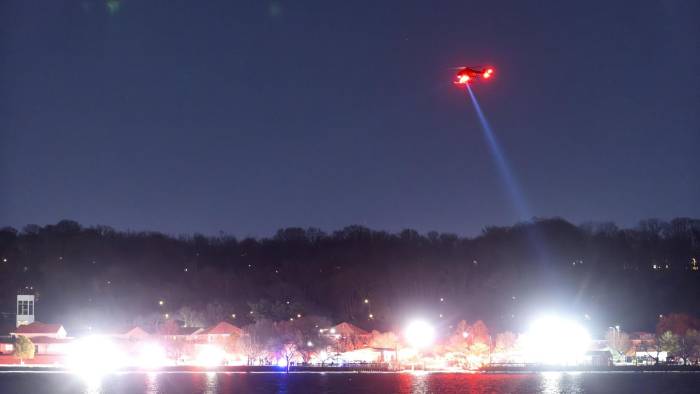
{"x": 151, "y": 355}
{"x": 95, "y": 356}
{"x": 419, "y": 334}
{"x": 210, "y": 355}
{"x": 553, "y": 340}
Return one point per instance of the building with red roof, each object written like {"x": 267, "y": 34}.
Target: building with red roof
{"x": 221, "y": 331}
{"x": 48, "y": 339}
{"x": 349, "y": 336}
{"x": 133, "y": 333}
{"x": 39, "y": 329}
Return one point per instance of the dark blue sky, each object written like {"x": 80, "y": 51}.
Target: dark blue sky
{"x": 247, "y": 116}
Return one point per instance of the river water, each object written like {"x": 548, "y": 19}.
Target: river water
{"x": 341, "y": 383}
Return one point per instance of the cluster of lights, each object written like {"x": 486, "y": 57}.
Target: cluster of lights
{"x": 550, "y": 340}
{"x": 94, "y": 356}
{"x": 487, "y": 73}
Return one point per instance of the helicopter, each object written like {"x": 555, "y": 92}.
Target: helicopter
{"x": 467, "y": 74}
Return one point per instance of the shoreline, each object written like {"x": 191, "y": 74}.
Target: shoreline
{"x": 322, "y": 370}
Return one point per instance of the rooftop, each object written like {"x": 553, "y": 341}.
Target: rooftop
{"x": 222, "y": 328}
{"x": 38, "y": 328}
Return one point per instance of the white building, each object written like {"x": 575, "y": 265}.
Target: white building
{"x": 25, "y": 309}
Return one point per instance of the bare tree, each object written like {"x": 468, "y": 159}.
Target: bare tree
{"x": 618, "y": 341}
{"x": 190, "y": 317}
{"x": 289, "y": 351}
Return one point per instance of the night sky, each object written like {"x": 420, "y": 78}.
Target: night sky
{"x": 248, "y": 116}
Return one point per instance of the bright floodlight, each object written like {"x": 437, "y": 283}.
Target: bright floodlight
{"x": 553, "y": 340}
{"x": 210, "y": 355}
{"x": 419, "y": 334}
{"x": 95, "y": 356}
{"x": 151, "y": 355}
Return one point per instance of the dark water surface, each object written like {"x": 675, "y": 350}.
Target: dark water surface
{"x": 551, "y": 382}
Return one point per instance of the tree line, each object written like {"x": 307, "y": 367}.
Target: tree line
{"x": 87, "y": 277}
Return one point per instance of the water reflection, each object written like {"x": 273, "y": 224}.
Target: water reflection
{"x": 211, "y": 385}
{"x": 550, "y": 382}
{"x": 152, "y": 383}
{"x": 93, "y": 384}
{"x": 420, "y": 383}
{"x": 558, "y": 382}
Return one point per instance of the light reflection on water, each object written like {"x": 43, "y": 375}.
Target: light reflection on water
{"x": 420, "y": 384}
{"x": 211, "y": 384}
{"x": 550, "y": 382}
{"x": 345, "y": 383}
{"x": 93, "y": 384}
{"x": 152, "y": 383}
{"x": 560, "y": 382}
